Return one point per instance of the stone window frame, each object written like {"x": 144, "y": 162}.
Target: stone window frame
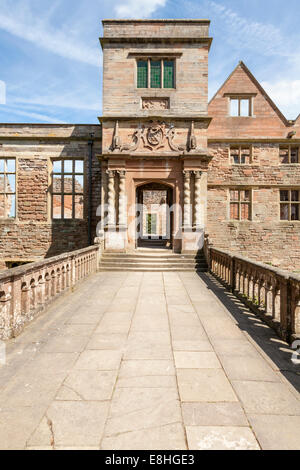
{"x": 72, "y": 193}
{"x": 250, "y": 97}
{"x": 289, "y": 203}
{"x": 240, "y": 203}
{"x": 240, "y": 147}
{"x": 289, "y": 148}
{"x": 160, "y": 58}
{"x": 5, "y": 173}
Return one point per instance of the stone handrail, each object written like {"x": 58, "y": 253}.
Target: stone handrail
{"x": 272, "y": 293}
{"x": 26, "y": 291}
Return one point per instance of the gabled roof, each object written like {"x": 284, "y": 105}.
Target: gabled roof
{"x": 260, "y": 88}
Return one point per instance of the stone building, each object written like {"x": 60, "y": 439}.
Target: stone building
{"x": 162, "y": 164}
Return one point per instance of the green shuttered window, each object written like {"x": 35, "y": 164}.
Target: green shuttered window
{"x": 169, "y": 74}
{"x": 142, "y": 74}
{"x": 155, "y": 74}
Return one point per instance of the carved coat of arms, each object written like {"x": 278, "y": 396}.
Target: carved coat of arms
{"x": 155, "y": 135}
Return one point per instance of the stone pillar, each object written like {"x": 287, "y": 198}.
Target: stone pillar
{"x": 115, "y": 237}
{"x": 111, "y": 217}
{"x": 122, "y": 220}
{"x": 197, "y": 200}
{"x": 187, "y": 199}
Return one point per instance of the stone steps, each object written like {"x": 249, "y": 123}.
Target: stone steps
{"x": 152, "y": 261}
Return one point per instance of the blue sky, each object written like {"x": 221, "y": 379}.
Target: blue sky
{"x": 51, "y": 58}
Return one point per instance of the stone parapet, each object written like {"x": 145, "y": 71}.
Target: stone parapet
{"x": 271, "y": 293}
{"x": 26, "y": 291}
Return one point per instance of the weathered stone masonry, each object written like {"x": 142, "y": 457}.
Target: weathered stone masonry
{"x": 33, "y": 234}
{"x": 265, "y": 237}
{"x": 169, "y": 136}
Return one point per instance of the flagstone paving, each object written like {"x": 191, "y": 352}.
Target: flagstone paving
{"x": 149, "y": 361}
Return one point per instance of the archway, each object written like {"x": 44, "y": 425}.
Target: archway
{"x": 154, "y": 218}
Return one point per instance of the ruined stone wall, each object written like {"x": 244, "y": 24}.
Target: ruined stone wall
{"x": 33, "y": 234}
{"x": 265, "y": 237}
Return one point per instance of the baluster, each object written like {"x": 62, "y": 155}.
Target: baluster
{"x": 47, "y": 287}
{"x": 6, "y": 314}
{"x": 41, "y": 290}
{"x": 33, "y": 294}
{"x": 53, "y": 284}
{"x": 25, "y": 299}
{"x": 68, "y": 276}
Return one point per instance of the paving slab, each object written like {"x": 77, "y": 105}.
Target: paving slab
{"x": 213, "y": 414}
{"x": 99, "y": 360}
{"x": 76, "y": 424}
{"x": 267, "y": 398}
{"x": 221, "y": 438}
{"x": 171, "y": 437}
{"x": 276, "y": 432}
{"x": 88, "y": 385}
{"x": 196, "y": 360}
{"x": 204, "y": 385}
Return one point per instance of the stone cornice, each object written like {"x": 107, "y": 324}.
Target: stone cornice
{"x": 162, "y": 20}
{"x": 162, "y": 117}
{"x": 42, "y": 139}
{"x": 253, "y": 140}
{"x": 156, "y": 40}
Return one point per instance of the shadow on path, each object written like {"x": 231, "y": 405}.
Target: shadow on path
{"x": 277, "y": 350}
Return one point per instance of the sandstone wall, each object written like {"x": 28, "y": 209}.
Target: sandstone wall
{"x": 265, "y": 237}
{"x": 33, "y": 234}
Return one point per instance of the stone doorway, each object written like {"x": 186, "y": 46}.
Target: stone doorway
{"x": 154, "y": 219}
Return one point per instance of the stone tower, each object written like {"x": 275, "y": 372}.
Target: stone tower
{"x": 154, "y": 127}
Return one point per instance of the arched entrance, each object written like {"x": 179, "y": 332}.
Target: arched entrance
{"x": 154, "y": 219}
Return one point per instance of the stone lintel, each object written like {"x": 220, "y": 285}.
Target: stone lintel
{"x": 159, "y": 156}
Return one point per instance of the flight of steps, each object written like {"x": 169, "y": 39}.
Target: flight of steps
{"x": 153, "y": 260}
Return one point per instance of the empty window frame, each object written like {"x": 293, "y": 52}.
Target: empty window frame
{"x": 68, "y": 189}
{"x": 240, "y": 204}
{"x": 289, "y": 154}
{"x": 156, "y": 73}
{"x": 240, "y": 154}
{"x": 7, "y": 188}
{"x": 240, "y": 107}
{"x": 290, "y": 204}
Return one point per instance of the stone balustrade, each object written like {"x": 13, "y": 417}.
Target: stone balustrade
{"x": 271, "y": 293}
{"x": 26, "y": 291}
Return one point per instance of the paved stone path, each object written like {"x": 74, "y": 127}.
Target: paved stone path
{"x": 149, "y": 361}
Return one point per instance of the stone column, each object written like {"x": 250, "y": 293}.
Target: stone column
{"x": 111, "y": 217}
{"x": 122, "y": 220}
{"x": 187, "y": 199}
{"x": 197, "y": 199}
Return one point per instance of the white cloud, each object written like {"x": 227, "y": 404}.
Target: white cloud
{"x": 2, "y": 92}
{"x": 286, "y": 94}
{"x": 137, "y": 8}
{"x": 32, "y": 115}
{"x": 18, "y": 19}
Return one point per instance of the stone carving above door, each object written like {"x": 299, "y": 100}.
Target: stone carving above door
{"x": 154, "y": 136}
